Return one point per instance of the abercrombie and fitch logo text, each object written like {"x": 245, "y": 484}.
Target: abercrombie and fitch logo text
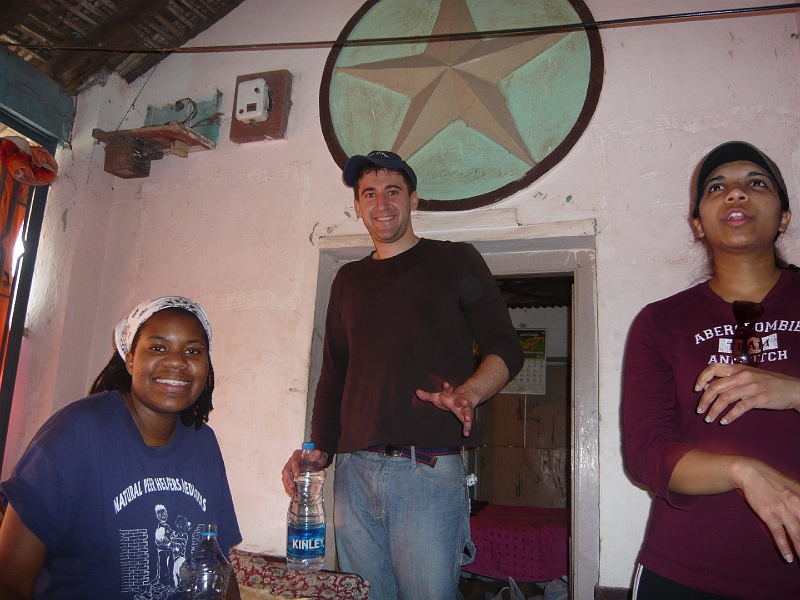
{"x": 770, "y": 329}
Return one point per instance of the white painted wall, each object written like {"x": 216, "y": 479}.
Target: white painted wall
{"x": 236, "y": 228}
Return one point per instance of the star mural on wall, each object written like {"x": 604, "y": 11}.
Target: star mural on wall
{"x": 457, "y": 80}
{"x": 478, "y": 119}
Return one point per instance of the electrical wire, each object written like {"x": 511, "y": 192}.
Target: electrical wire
{"x": 495, "y": 33}
{"x": 130, "y": 108}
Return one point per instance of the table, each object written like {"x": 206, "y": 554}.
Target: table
{"x": 261, "y": 572}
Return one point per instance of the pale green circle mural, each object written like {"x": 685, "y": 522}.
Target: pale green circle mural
{"x": 477, "y": 119}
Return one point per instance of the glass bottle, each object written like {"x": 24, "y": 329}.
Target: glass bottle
{"x": 205, "y": 574}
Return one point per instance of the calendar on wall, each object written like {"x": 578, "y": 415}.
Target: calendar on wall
{"x": 532, "y": 378}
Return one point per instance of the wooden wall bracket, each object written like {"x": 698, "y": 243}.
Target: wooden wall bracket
{"x": 129, "y": 152}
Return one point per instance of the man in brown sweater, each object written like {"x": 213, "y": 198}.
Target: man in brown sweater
{"x": 398, "y": 390}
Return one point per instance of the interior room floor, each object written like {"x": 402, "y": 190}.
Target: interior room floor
{"x": 473, "y": 587}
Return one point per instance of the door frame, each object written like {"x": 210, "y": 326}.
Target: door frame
{"x": 21, "y": 286}
{"x": 548, "y": 249}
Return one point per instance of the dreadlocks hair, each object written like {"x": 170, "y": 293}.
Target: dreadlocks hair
{"x": 115, "y": 377}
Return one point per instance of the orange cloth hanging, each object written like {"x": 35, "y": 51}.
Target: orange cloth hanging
{"x": 23, "y": 166}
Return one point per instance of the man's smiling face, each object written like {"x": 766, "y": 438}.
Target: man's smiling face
{"x": 385, "y": 205}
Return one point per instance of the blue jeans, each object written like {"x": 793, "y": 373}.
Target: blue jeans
{"x": 402, "y": 525}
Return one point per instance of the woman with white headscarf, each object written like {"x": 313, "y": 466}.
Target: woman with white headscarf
{"x": 111, "y": 489}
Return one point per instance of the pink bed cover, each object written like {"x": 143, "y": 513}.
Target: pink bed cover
{"x": 523, "y": 542}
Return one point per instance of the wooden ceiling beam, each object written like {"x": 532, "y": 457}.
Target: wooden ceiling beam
{"x": 150, "y": 60}
{"x": 89, "y": 7}
{"x": 38, "y": 37}
{"x": 191, "y": 7}
{"x": 125, "y": 28}
{"x": 75, "y": 69}
{"x": 186, "y": 22}
{"x": 13, "y": 12}
{"x": 69, "y": 23}
{"x": 56, "y": 36}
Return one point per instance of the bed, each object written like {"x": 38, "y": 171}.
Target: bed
{"x": 523, "y": 542}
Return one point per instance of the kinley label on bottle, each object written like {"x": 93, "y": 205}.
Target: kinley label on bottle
{"x": 306, "y": 542}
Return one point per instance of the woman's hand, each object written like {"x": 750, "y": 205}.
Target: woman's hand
{"x": 747, "y": 387}
{"x": 775, "y": 498}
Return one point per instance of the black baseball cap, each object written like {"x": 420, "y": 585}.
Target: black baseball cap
{"x": 382, "y": 158}
{"x": 731, "y": 152}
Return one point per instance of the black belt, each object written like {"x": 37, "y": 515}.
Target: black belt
{"x": 426, "y": 456}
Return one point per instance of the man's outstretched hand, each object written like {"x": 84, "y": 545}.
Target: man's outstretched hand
{"x": 488, "y": 379}
{"x": 454, "y": 400}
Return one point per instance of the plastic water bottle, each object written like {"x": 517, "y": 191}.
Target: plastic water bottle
{"x": 305, "y": 539}
{"x": 205, "y": 574}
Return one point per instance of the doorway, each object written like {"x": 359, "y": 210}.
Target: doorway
{"x": 523, "y": 457}
{"x": 550, "y": 250}
{"x": 520, "y": 499}
{"x": 23, "y": 217}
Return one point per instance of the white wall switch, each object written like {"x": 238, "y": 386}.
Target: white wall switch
{"x": 252, "y": 101}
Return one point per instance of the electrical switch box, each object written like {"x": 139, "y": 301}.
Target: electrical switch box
{"x": 271, "y": 93}
{"x": 252, "y": 101}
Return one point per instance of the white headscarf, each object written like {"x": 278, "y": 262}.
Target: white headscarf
{"x": 127, "y": 328}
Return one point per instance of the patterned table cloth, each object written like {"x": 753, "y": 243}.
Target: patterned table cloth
{"x": 270, "y": 574}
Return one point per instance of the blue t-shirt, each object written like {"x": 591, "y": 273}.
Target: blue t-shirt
{"x": 118, "y": 517}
